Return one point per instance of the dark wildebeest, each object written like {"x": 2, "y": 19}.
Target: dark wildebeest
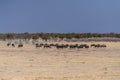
{"x": 58, "y": 46}
{"x": 66, "y": 46}
{"x": 92, "y": 45}
{"x": 98, "y": 45}
{"x": 73, "y": 46}
{"x": 8, "y": 44}
{"x": 13, "y": 45}
{"x": 20, "y": 45}
{"x": 38, "y": 45}
{"x": 83, "y": 46}
{"x": 103, "y": 45}
{"x": 47, "y": 46}
{"x": 52, "y": 45}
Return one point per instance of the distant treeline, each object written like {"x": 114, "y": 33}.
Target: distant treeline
{"x": 47, "y": 36}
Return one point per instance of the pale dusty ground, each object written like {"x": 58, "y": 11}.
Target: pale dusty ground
{"x": 29, "y": 63}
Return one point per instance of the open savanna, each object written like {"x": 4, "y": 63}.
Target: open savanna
{"x": 30, "y": 63}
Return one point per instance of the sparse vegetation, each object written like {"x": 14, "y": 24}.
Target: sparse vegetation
{"x": 47, "y": 36}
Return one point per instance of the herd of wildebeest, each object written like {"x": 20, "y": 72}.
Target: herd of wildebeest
{"x": 61, "y": 46}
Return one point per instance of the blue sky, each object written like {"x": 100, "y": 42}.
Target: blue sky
{"x": 102, "y": 16}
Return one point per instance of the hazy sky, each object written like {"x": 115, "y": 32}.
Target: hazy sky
{"x": 60, "y": 16}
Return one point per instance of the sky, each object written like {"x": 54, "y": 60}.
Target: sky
{"x": 61, "y": 16}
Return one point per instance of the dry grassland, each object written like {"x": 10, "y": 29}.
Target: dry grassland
{"x": 29, "y": 63}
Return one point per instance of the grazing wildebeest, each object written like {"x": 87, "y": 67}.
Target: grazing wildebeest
{"x": 13, "y": 45}
{"x": 86, "y": 46}
{"x": 38, "y": 45}
{"x": 47, "y": 46}
{"x": 58, "y": 46}
{"x": 73, "y": 46}
{"x": 98, "y": 45}
{"x": 52, "y": 45}
{"x": 103, "y": 45}
{"x": 66, "y": 46}
{"x": 8, "y": 44}
{"x": 83, "y": 46}
{"x": 20, "y": 45}
{"x": 92, "y": 45}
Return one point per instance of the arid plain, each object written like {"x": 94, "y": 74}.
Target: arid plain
{"x": 30, "y": 63}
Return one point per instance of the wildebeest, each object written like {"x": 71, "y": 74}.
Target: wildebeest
{"x": 13, "y": 45}
{"x": 83, "y": 46}
{"x": 103, "y": 45}
{"x": 92, "y": 45}
{"x": 20, "y": 45}
{"x": 73, "y": 46}
{"x": 8, "y": 44}
{"x": 47, "y": 46}
{"x": 52, "y": 45}
{"x": 58, "y": 46}
{"x": 38, "y": 45}
{"x": 98, "y": 45}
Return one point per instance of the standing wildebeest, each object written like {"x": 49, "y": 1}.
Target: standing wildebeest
{"x": 92, "y": 45}
{"x": 103, "y": 45}
{"x": 47, "y": 46}
{"x": 66, "y": 46}
{"x": 38, "y": 45}
{"x": 73, "y": 46}
{"x": 20, "y": 45}
{"x": 13, "y": 45}
{"x": 8, "y": 44}
{"x": 98, "y": 45}
{"x": 83, "y": 46}
{"x": 58, "y": 46}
